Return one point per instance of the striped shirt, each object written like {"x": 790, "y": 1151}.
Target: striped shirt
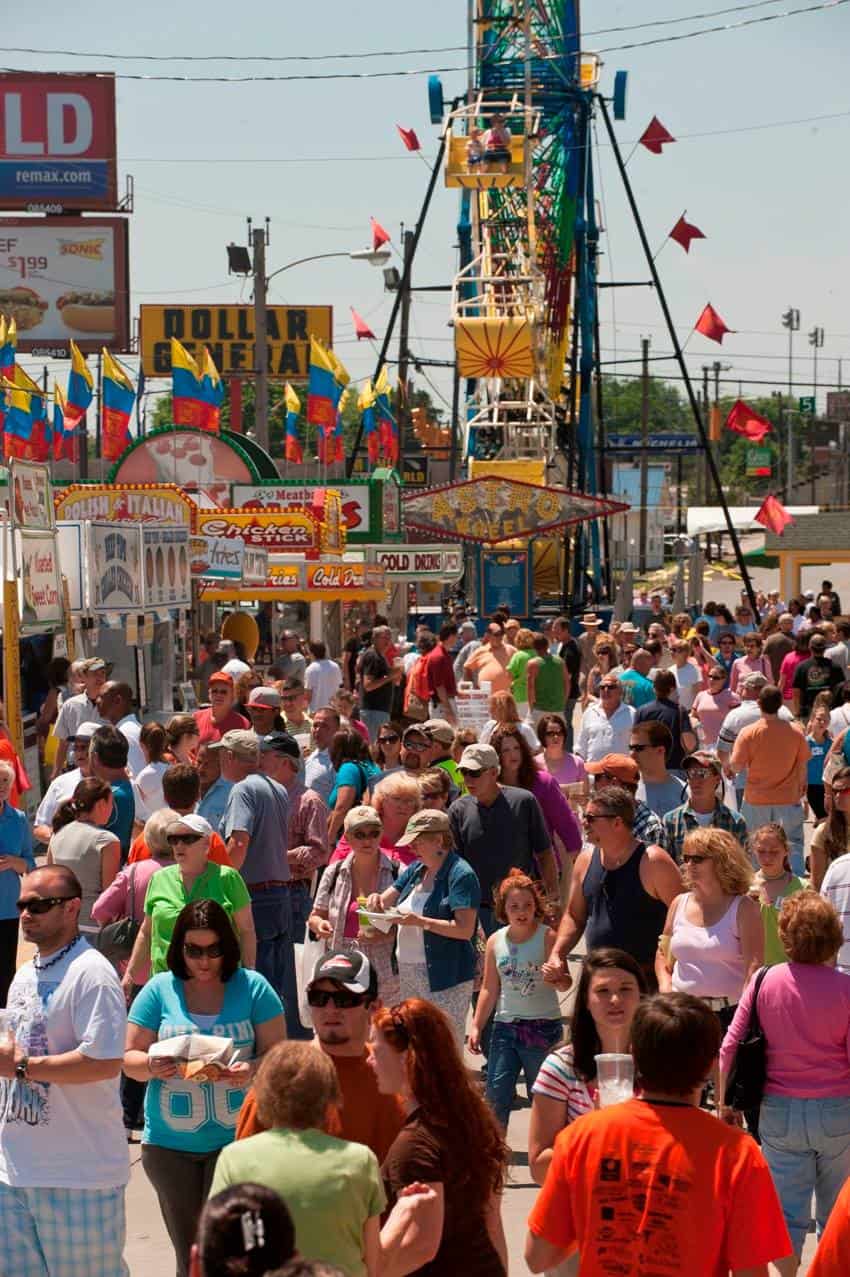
{"x": 558, "y": 1080}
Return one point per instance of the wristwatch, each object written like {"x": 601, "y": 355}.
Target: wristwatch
{"x": 21, "y": 1068}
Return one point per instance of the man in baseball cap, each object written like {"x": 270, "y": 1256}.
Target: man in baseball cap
{"x": 242, "y": 742}
{"x": 426, "y": 821}
{"x": 76, "y": 710}
{"x": 264, "y": 710}
{"x": 62, "y": 788}
{"x": 341, "y": 996}
{"x": 620, "y": 769}
{"x": 703, "y": 804}
{"x": 220, "y": 716}
{"x": 441, "y": 734}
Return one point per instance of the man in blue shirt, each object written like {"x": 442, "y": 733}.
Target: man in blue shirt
{"x": 319, "y": 772}
{"x": 108, "y": 753}
{"x": 214, "y": 787}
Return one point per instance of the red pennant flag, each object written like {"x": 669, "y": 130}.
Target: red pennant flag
{"x": 411, "y": 141}
{"x": 773, "y": 515}
{"x": 361, "y": 328}
{"x": 744, "y": 420}
{"x": 683, "y": 232}
{"x": 655, "y": 135}
{"x": 711, "y": 325}
{"x": 379, "y": 235}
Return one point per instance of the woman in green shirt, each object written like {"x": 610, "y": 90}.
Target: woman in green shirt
{"x": 773, "y": 883}
{"x": 192, "y": 877}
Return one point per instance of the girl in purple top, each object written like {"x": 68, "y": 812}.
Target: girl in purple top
{"x": 518, "y": 768}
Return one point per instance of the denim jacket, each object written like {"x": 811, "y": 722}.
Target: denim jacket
{"x": 450, "y": 962}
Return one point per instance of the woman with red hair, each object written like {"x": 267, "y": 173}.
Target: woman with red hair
{"x": 450, "y": 1140}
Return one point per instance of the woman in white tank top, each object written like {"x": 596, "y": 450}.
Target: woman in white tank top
{"x": 713, "y": 939}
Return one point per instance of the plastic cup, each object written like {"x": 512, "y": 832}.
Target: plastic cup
{"x": 615, "y": 1077}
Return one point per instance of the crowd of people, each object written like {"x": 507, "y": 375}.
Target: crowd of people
{"x": 265, "y": 932}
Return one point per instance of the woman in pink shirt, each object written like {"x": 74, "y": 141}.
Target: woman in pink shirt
{"x": 804, "y": 1012}
{"x": 752, "y": 662}
{"x": 711, "y": 707}
{"x": 790, "y": 662}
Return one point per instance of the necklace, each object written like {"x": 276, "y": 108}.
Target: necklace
{"x": 57, "y": 957}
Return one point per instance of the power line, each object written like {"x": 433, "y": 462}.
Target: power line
{"x": 408, "y": 72}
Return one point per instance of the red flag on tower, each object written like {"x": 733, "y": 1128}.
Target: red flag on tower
{"x": 773, "y": 515}
{"x": 744, "y": 420}
{"x": 411, "y": 141}
{"x": 683, "y": 232}
{"x": 655, "y": 136}
{"x": 379, "y": 235}
{"x": 711, "y": 325}
{"x": 361, "y": 328}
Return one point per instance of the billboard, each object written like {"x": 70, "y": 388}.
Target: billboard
{"x": 115, "y": 554}
{"x": 229, "y": 333}
{"x": 356, "y": 499}
{"x": 144, "y": 503}
{"x": 57, "y": 141}
{"x": 64, "y": 279}
{"x": 39, "y": 582}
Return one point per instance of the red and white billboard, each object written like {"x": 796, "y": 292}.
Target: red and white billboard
{"x": 57, "y": 141}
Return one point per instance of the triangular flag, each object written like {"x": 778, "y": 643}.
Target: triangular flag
{"x": 683, "y": 232}
{"x": 379, "y": 235}
{"x": 773, "y": 515}
{"x": 711, "y": 325}
{"x": 744, "y": 420}
{"x": 411, "y": 141}
{"x": 361, "y": 328}
{"x": 655, "y": 135}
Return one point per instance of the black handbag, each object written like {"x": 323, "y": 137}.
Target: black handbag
{"x": 748, "y": 1074}
{"x": 115, "y": 940}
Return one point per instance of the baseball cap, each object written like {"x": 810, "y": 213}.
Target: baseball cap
{"x": 348, "y": 968}
{"x": 439, "y": 729}
{"x": 361, "y": 817}
{"x": 267, "y": 697}
{"x": 702, "y": 758}
{"x": 617, "y": 766}
{"x": 242, "y": 743}
{"x": 94, "y": 664}
{"x": 220, "y": 677}
{"x": 85, "y": 731}
{"x": 280, "y": 743}
{"x": 478, "y": 758}
{"x": 756, "y": 680}
{"x": 196, "y": 824}
{"x": 424, "y": 822}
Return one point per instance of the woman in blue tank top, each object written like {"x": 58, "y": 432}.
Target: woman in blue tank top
{"x": 528, "y": 1015}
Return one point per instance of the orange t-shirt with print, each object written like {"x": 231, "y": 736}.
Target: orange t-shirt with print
{"x": 834, "y": 1246}
{"x": 139, "y": 850}
{"x": 667, "y": 1189}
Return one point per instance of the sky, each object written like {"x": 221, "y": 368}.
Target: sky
{"x": 319, "y": 157}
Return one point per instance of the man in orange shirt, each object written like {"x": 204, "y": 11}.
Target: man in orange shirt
{"x": 775, "y": 756}
{"x": 342, "y": 996}
{"x": 834, "y": 1246}
{"x": 657, "y": 1185}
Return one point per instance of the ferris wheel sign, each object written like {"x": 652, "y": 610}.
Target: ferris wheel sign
{"x": 490, "y": 510}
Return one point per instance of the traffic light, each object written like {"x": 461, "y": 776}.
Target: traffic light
{"x": 816, "y": 338}
{"x": 791, "y": 319}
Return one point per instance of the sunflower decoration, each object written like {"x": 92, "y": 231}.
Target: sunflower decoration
{"x": 494, "y": 348}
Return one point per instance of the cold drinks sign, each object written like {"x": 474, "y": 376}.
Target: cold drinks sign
{"x": 57, "y": 142}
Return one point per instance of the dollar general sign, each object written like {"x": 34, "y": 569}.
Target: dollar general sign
{"x": 229, "y": 333}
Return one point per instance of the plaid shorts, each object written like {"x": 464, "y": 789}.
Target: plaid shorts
{"x": 62, "y": 1232}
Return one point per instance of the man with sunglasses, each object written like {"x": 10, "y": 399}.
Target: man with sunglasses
{"x": 619, "y": 769}
{"x": 606, "y": 723}
{"x": 63, "y": 1150}
{"x": 342, "y": 995}
{"x": 620, "y": 891}
{"x": 296, "y": 719}
{"x": 441, "y": 734}
{"x": 220, "y": 716}
{"x": 703, "y": 807}
{"x": 415, "y": 750}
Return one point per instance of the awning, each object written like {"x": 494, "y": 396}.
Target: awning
{"x": 711, "y": 518}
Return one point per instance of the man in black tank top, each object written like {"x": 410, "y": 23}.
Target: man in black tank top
{"x": 619, "y": 892}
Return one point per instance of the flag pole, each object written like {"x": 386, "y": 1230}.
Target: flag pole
{"x": 99, "y": 421}
{"x": 680, "y": 359}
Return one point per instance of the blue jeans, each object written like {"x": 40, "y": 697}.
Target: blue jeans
{"x": 372, "y": 719}
{"x": 272, "y": 910}
{"x": 517, "y": 1046}
{"x": 806, "y": 1144}
{"x": 299, "y": 896}
{"x": 789, "y": 816}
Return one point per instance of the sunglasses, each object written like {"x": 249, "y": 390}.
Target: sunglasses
{"x": 362, "y": 834}
{"x": 590, "y": 817}
{"x": 637, "y": 749}
{"x": 699, "y": 773}
{"x": 467, "y": 774}
{"x": 202, "y": 950}
{"x": 390, "y": 739}
{"x": 41, "y": 904}
{"x": 341, "y": 999}
{"x": 607, "y": 687}
{"x": 418, "y": 746}
{"x": 717, "y": 677}
{"x": 175, "y": 840}
{"x": 289, "y": 697}
{"x": 555, "y": 731}
{"x": 694, "y": 860}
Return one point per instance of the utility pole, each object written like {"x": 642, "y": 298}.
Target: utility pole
{"x": 791, "y": 321}
{"x": 403, "y": 404}
{"x": 816, "y": 342}
{"x": 644, "y": 453}
{"x": 259, "y": 240}
{"x": 702, "y": 482}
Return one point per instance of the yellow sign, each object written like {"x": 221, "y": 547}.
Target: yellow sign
{"x": 12, "y": 666}
{"x": 228, "y": 331}
{"x": 128, "y": 503}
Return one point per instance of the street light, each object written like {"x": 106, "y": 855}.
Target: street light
{"x": 240, "y": 263}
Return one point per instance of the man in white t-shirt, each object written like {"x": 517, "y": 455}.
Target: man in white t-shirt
{"x": 322, "y": 678}
{"x": 115, "y": 704}
{"x": 62, "y": 788}
{"x": 79, "y": 709}
{"x": 63, "y": 1150}
{"x": 689, "y": 679}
